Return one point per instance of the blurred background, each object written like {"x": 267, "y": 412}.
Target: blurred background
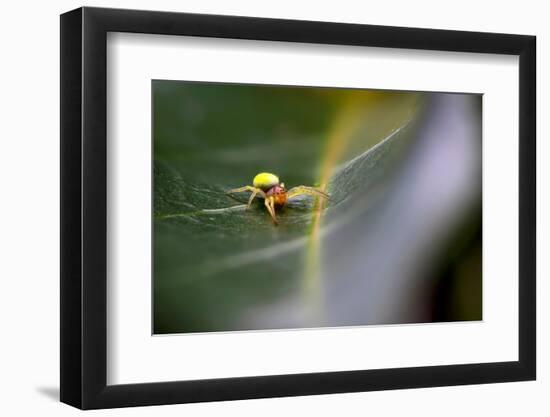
{"x": 399, "y": 242}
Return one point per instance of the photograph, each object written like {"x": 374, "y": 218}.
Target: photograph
{"x": 261, "y": 209}
{"x": 298, "y": 207}
{"x": 257, "y": 206}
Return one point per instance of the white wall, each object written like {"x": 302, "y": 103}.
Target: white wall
{"x": 29, "y": 224}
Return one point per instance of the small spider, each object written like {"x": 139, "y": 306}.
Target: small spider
{"x": 268, "y": 187}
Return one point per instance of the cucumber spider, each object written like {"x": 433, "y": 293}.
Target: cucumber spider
{"x": 274, "y": 193}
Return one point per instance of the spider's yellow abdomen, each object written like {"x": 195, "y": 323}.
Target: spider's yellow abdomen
{"x": 265, "y": 181}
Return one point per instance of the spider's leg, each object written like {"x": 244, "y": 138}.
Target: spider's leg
{"x": 302, "y": 189}
{"x": 241, "y": 189}
{"x": 253, "y": 195}
{"x": 249, "y": 188}
{"x": 270, "y": 205}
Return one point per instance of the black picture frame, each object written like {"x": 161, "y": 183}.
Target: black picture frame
{"x": 84, "y": 207}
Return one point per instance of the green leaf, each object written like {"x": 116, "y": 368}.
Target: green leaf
{"x": 215, "y": 263}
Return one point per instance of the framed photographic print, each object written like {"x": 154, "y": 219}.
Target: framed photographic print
{"x": 258, "y": 207}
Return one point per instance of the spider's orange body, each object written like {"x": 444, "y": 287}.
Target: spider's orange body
{"x": 278, "y": 193}
{"x": 274, "y": 193}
